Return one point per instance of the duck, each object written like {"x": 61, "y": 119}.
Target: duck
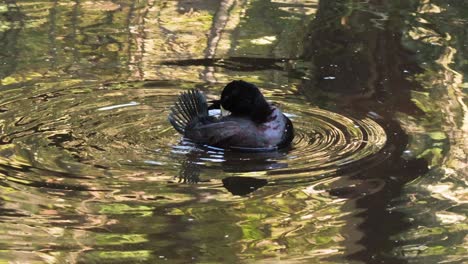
{"x": 248, "y": 121}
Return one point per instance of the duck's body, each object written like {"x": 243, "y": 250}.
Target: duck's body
{"x": 252, "y": 124}
{"x": 239, "y": 132}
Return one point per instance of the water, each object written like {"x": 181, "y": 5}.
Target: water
{"x": 92, "y": 172}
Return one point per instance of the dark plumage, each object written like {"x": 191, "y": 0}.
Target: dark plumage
{"x": 253, "y": 124}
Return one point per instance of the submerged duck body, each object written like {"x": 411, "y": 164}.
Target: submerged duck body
{"x": 254, "y": 124}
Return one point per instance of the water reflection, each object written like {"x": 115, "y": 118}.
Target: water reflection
{"x": 367, "y": 68}
{"x": 91, "y": 171}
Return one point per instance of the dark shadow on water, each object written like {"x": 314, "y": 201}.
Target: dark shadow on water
{"x": 246, "y": 64}
{"x": 372, "y": 193}
{"x": 243, "y": 185}
{"x": 367, "y": 70}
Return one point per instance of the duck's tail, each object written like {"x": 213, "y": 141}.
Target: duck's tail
{"x": 190, "y": 106}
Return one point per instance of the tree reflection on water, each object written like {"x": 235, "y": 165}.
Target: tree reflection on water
{"x": 91, "y": 171}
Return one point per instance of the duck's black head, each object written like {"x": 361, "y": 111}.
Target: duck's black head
{"x": 245, "y": 99}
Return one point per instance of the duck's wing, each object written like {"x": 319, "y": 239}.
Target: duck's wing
{"x": 214, "y": 134}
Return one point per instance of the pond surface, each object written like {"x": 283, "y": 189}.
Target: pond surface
{"x": 92, "y": 172}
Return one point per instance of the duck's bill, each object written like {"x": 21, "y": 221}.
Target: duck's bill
{"x": 224, "y": 112}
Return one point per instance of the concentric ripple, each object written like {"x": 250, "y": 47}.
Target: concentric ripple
{"x": 326, "y": 141}
{"x": 117, "y": 129}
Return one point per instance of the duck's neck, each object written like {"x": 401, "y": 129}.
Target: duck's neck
{"x": 261, "y": 112}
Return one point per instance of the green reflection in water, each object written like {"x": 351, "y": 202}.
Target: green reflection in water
{"x": 91, "y": 171}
